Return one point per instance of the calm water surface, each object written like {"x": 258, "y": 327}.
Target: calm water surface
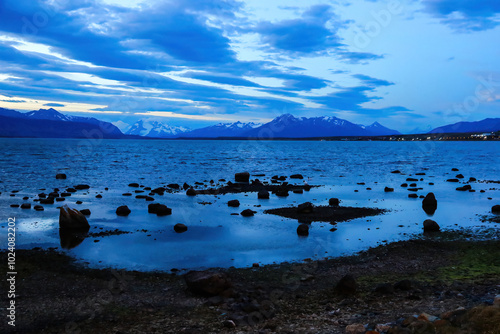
{"x": 217, "y": 238}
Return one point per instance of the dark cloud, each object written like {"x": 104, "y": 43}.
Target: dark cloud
{"x": 474, "y": 15}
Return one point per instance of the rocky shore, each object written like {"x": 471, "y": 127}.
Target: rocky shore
{"x": 445, "y": 283}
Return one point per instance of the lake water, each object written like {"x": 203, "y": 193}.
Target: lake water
{"x": 215, "y": 238}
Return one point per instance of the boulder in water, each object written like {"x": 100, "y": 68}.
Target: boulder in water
{"x": 72, "y": 219}
{"x": 303, "y": 230}
{"x": 123, "y": 211}
{"x": 242, "y": 177}
{"x": 431, "y": 226}
{"x": 180, "y": 228}
{"x": 429, "y": 203}
{"x": 60, "y": 176}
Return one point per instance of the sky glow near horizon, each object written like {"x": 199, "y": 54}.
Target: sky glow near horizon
{"x": 406, "y": 64}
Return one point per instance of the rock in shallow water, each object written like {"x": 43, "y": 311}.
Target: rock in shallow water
{"x": 180, "y": 228}
{"x": 495, "y": 209}
{"x": 429, "y": 203}
{"x": 303, "y": 230}
{"x": 431, "y": 226}
{"x": 123, "y": 211}
{"x": 233, "y": 203}
{"x": 247, "y": 213}
{"x": 242, "y": 177}
{"x": 72, "y": 219}
{"x": 61, "y": 176}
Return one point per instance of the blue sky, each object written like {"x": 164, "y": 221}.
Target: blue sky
{"x": 404, "y": 63}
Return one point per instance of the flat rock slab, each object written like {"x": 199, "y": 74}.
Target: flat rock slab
{"x": 326, "y": 213}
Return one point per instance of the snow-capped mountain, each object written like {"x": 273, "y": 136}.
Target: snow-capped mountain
{"x": 289, "y": 126}
{"x": 49, "y": 123}
{"x": 237, "y": 129}
{"x": 380, "y": 130}
{"x": 155, "y": 129}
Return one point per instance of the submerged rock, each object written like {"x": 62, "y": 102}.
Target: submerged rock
{"x": 123, "y": 211}
{"x": 61, "y": 176}
{"x": 429, "y": 203}
{"x": 72, "y": 219}
{"x": 431, "y": 226}
{"x": 296, "y": 176}
{"x": 207, "y": 282}
{"x": 38, "y": 208}
{"x": 464, "y": 188}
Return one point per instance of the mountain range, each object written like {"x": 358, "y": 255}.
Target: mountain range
{"x": 155, "y": 129}
{"x": 49, "y": 123}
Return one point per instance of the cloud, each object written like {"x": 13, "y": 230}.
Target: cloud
{"x": 14, "y": 101}
{"x": 54, "y": 105}
{"x": 466, "y": 15}
{"x": 306, "y": 35}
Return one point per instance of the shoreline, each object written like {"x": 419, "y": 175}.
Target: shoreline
{"x": 445, "y": 272}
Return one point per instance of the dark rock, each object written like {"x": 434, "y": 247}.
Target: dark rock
{"x": 454, "y": 169}
{"x": 413, "y": 184}
{"x": 159, "y": 191}
{"x": 420, "y": 173}
{"x": 412, "y": 196}
{"x": 42, "y": 195}
{"x": 495, "y": 209}
{"x": 303, "y": 230}
{"x": 98, "y": 196}
{"x": 346, "y": 286}
{"x": 26, "y": 206}
{"x": 242, "y": 177}
{"x": 134, "y": 185}
{"x": 452, "y": 180}
{"x": 48, "y": 200}
{"x": 464, "y": 188}
{"x": 149, "y": 199}
{"x": 186, "y": 186}
{"x": 429, "y": 203}
{"x": 334, "y": 202}
{"x": 72, "y": 219}
{"x": 396, "y": 171}
{"x": 306, "y": 207}
{"x": 411, "y": 179}
{"x": 38, "y": 208}
{"x": 282, "y": 193}
{"x": 126, "y": 194}
{"x": 162, "y": 210}
{"x": 296, "y": 176}
{"x": 123, "y": 211}
{"x": 233, "y": 203}
{"x": 207, "y": 283}
{"x": 81, "y": 187}
{"x": 65, "y": 194}
{"x": 180, "y": 228}
{"x": 60, "y": 199}
{"x": 77, "y": 202}
{"x": 263, "y": 194}
{"x": 404, "y": 185}
{"x": 53, "y": 194}
{"x": 85, "y": 212}
{"x": 388, "y": 190}
{"x": 459, "y": 176}
{"x": 247, "y": 213}
{"x": 472, "y": 179}
{"x": 14, "y": 205}
{"x": 60, "y": 176}
{"x": 404, "y": 285}
{"x": 191, "y": 192}
{"x": 298, "y": 191}
{"x": 71, "y": 190}
{"x": 174, "y": 186}
{"x": 384, "y": 289}
{"x": 431, "y": 226}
